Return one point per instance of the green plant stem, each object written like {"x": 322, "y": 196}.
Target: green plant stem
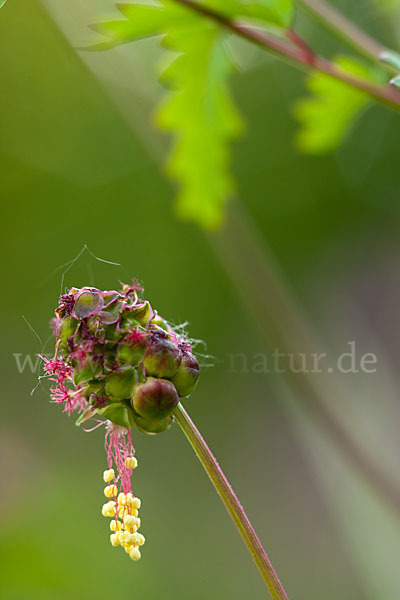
{"x": 296, "y": 55}
{"x": 335, "y": 22}
{"x": 231, "y": 503}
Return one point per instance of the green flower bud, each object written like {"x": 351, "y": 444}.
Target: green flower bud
{"x": 137, "y": 316}
{"x": 150, "y": 426}
{"x": 162, "y": 357}
{"x": 143, "y": 313}
{"x": 66, "y": 329}
{"x": 117, "y": 413}
{"x": 130, "y": 353}
{"x": 110, "y": 297}
{"x": 155, "y": 399}
{"x": 86, "y": 372}
{"x": 94, "y": 326}
{"x": 94, "y": 386}
{"x": 187, "y": 376}
{"x": 119, "y": 385}
{"x": 128, "y": 322}
{"x": 112, "y": 333}
{"x": 160, "y": 322}
{"x": 87, "y": 303}
{"x": 110, "y": 314}
{"x": 104, "y": 322}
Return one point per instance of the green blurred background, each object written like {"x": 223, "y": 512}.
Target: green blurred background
{"x": 80, "y": 164}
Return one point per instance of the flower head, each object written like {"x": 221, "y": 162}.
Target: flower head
{"x": 118, "y": 362}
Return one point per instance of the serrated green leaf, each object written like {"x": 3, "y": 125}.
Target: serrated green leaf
{"x": 146, "y": 20}
{"x": 201, "y": 115}
{"x": 198, "y": 109}
{"x": 280, "y": 12}
{"x": 276, "y": 12}
{"x": 326, "y": 117}
{"x": 142, "y": 21}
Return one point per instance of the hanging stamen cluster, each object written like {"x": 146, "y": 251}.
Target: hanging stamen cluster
{"x": 123, "y": 506}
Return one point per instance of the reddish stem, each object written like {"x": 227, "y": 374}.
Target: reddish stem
{"x": 281, "y": 48}
{"x": 309, "y": 54}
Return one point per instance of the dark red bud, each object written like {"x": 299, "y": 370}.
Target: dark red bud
{"x": 155, "y": 399}
{"x": 187, "y": 376}
{"x": 119, "y": 385}
{"x": 162, "y": 357}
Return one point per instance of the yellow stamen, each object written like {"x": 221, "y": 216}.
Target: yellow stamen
{"x": 108, "y": 509}
{"x": 131, "y": 462}
{"x": 134, "y": 553}
{"x": 121, "y": 512}
{"x": 129, "y": 521}
{"x": 111, "y": 491}
{"x": 108, "y": 475}
{"x": 114, "y": 539}
{"x": 134, "y": 541}
{"x": 136, "y": 503}
{"x": 121, "y": 499}
{"x": 125, "y": 537}
{"x": 115, "y": 525}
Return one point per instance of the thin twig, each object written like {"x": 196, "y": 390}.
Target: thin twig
{"x": 296, "y": 39}
{"x": 292, "y": 53}
{"x": 231, "y": 503}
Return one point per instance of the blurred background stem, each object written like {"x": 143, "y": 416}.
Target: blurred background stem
{"x": 278, "y": 320}
{"x": 338, "y": 24}
{"x": 231, "y": 503}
